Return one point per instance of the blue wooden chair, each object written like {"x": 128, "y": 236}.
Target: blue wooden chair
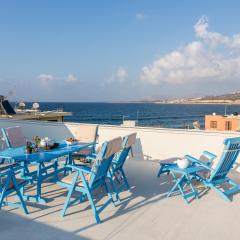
{"x": 90, "y": 136}
{"x": 8, "y": 181}
{"x": 9, "y": 184}
{"x": 85, "y": 179}
{"x": 116, "y": 169}
{"x": 218, "y": 175}
{"x": 15, "y": 138}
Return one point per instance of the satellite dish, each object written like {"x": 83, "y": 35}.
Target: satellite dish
{"x": 21, "y": 105}
{"x": 35, "y": 106}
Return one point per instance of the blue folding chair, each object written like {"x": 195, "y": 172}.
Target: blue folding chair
{"x": 116, "y": 169}
{"x": 218, "y": 175}
{"x": 9, "y": 184}
{"x": 15, "y": 138}
{"x": 85, "y": 179}
{"x": 93, "y": 131}
{"x": 8, "y": 181}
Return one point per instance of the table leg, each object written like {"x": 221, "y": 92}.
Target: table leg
{"x": 38, "y": 197}
{"x": 185, "y": 180}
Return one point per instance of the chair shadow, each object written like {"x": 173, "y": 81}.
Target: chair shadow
{"x": 148, "y": 188}
{"x": 155, "y": 192}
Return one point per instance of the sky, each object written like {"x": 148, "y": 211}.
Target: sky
{"x": 73, "y": 50}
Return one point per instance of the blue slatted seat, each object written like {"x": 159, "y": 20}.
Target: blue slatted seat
{"x": 218, "y": 175}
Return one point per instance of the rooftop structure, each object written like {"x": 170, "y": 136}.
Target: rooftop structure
{"x": 222, "y": 122}
{"x": 8, "y": 112}
{"x": 145, "y": 211}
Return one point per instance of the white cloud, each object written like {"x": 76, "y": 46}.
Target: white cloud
{"x": 121, "y": 74}
{"x": 46, "y": 79}
{"x": 215, "y": 38}
{"x": 140, "y": 16}
{"x": 198, "y": 60}
{"x": 71, "y": 78}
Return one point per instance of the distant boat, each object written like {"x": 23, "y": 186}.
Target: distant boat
{"x": 20, "y": 112}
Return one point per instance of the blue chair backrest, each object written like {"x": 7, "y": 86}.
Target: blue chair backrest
{"x": 128, "y": 142}
{"x": 3, "y": 146}
{"x": 228, "y": 158}
{"x": 14, "y": 137}
{"x": 3, "y": 143}
{"x": 104, "y": 159}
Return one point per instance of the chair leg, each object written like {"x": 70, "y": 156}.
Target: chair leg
{"x": 95, "y": 213}
{"x": 1, "y": 198}
{"x": 19, "y": 194}
{"x": 4, "y": 190}
{"x": 114, "y": 189}
{"x": 125, "y": 180}
{"x": 109, "y": 194}
{"x": 82, "y": 197}
{"x": 222, "y": 194}
{"x": 178, "y": 182}
{"x": 160, "y": 170}
{"x": 67, "y": 200}
{"x": 23, "y": 205}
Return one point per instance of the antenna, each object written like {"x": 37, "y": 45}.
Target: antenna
{"x": 225, "y": 111}
{"x": 123, "y": 117}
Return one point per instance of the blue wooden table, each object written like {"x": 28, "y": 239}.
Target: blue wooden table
{"x": 39, "y": 159}
{"x": 183, "y": 180}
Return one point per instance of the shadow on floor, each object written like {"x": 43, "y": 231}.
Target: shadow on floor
{"x": 146, "y": 189}
{"x": 13, "y": 226}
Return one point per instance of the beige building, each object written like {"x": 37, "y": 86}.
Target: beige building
{"x": 222, "y": 123}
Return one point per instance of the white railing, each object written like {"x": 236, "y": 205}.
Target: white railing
{"x": 153, "y": 143}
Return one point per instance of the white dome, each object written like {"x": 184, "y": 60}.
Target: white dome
{"x": 35, "y": 105}
{"x": 22, "y": 104}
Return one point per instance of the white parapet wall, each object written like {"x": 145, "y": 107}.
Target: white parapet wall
{"x": 153, "y": 143}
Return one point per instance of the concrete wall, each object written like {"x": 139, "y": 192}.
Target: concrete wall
{"x": 155, "y": 143}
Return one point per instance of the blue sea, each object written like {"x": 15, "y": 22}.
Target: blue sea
{"x": 147, "y": 114}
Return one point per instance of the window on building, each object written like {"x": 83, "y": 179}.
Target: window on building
{"x": 228, "y": 125}
{"x": 213, "y": 124}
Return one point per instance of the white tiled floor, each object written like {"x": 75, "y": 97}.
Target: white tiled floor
{"x": 145, "y": 213}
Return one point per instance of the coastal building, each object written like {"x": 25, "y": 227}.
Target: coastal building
{"x": 222, "y": 122}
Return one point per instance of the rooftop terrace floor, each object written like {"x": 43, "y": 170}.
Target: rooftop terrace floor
{"x": 145, "y": 213}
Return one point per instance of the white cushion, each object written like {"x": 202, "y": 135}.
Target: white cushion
{"x": 84, "y": 133}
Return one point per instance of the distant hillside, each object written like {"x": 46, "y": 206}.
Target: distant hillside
{"x": 229, "y": 96}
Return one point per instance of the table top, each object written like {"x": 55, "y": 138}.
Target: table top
{"x": 63, "y": 149}
{"x": 188, "y": 170}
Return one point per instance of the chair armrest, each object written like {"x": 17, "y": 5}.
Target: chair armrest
{"x": 210, "y": 156}
{"x": 84, "y": 169}
{"x": 195, "y": 160}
